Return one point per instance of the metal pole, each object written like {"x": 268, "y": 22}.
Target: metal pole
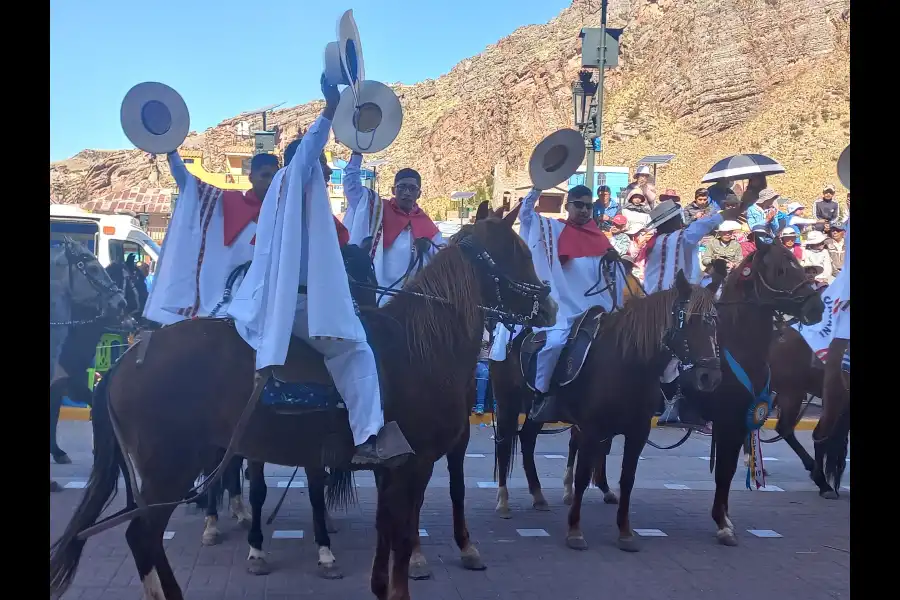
{"x": 589, "y": 170}
{"x": 264, "y": 121}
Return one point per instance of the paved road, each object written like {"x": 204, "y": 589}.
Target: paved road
{"x": 526, "y": 556}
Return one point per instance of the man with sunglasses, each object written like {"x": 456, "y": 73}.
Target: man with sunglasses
{"x": 570, "y": 255}
{"x": 403, "y": 237}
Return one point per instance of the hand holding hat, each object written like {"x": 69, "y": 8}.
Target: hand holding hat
{"x": 332, "y": 97}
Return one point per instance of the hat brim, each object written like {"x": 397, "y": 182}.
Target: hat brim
{"x": 351, "y": 52}
{"x": 387, "y": 130}
{"x": 843, "y": 167}
{"x": 332, "y": 67}
{"x": 155, "y": 117}
{"x": 666, "y": 216}
{"x": 544, "y": 178}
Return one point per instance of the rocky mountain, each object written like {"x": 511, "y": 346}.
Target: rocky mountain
{"x": 701, "y": 79}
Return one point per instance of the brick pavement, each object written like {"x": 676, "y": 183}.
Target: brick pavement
{"x": 807, "y": 562}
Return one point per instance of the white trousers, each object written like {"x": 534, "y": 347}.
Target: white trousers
{"x": 548, "y": 357}
{"x": 355, "y": 374}
{"x": 671, "y": 372}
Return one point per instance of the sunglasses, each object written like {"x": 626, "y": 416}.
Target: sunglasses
{"x": 404, "y": 187}
{"x": 581, "y": 205}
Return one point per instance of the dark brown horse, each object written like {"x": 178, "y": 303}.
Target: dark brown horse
{"x": 796, "y": 372}
{"x": 190, "y": 389}
{"x": 615, "y": 393}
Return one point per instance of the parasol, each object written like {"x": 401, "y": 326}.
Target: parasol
{"x": 742, "y": 166}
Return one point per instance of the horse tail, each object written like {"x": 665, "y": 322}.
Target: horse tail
{"x": 512, "y": 457}
{"x": 100, "y": 491}
{"x": 341, "y": 491}
{"x": 836, "y": 447}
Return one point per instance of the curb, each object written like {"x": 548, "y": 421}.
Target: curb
{"x": 73, "y": 413}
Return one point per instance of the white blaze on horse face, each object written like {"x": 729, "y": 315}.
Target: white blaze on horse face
{"x": 152, "y": 586}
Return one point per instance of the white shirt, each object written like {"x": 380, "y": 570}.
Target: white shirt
{"x": 661, "y": 268}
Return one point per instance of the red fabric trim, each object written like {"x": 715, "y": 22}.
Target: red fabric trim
{"x": 577, "y": 241}
{"x": 394, "y": 220}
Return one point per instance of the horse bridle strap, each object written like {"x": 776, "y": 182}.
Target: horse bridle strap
{"x": 682, "y": 351}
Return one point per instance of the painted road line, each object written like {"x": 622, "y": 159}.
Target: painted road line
{"x": 475, "y": 456}
{"x": 487, "y": 485}
{"x": 764, "y": 533}
{"x": 532, "y": 533}
{"x": 76, "y": 485}
{"x": 287, "y": 534}
{"x": 555, "y": 456}
{"x": 168, "y": 535}
{"x": 676, "y": 486}
{"x": 770, "y": 488}
{"x": 651, "y": 533}
{"x": 423, "y": 533}
{"x": 294, "y": 484}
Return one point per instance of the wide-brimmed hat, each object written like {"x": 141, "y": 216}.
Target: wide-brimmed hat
{"x": 635, "y": 191}
{"x": 154, "y": 117}
{"x": 369, "y": 122}
{"x": 634, "y": 227}
{"x": 792, "y": 206}
{"x": 816, "y": 269}
{"x": 788, "y": 232}
{"x": 556, "y": 158}
{"x": 669, "y": 194}
{"x": 728, "y": 227}
{"x": 642, "y": 170}
{"x": 829, "y": 187}
{"x": 664, "y": 211}
{"x": 815, "y": 237}
{"x": 843, "y": 167}
{"x": 767, "y": 194}
{"x": 344, "y": 58}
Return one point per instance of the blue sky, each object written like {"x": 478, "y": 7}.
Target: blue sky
{"x": 271, "y": 51}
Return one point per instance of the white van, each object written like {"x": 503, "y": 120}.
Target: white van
{"x": 110, "y": 237}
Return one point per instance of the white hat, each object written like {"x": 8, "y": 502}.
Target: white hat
{"x": 642, "y": 170}
{"x": 155, "y": 118}
{"x": 788, "y": 232}
{"x": 370, "y": 122}
{"x": 664, "y": 211}
{"x": 843, "y": 167}
{"x": 815, "y": 237}
{"x": 634, "y": 227}
{"x": 344, "y": 58}
{"x": 556, "y": 158}
{"x": 728, "y": 226}
{"x": 767, "y": 194}
{"x": 792, "y": 206}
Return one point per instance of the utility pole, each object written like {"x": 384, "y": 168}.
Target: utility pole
{"x": 596, "y": 104}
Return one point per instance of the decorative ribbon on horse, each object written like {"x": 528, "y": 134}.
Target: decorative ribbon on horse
{"x": 757, "y": 413}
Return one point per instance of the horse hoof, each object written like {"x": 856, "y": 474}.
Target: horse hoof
{"x": 419, "y": 571}
{"x": 567, "y": 499}
{"x": 504, "y": 512}
{"x": 62, "y": 459}
{"x": 541, "y": 506}
{"x": 829, "y": 495}
{"x": 610, "y": 498}
{"x": 330, "y": 571}
{"x": 726, "y": 537}
{"x": 211, "y": 538}
{"x": 55, "y": 487}
{"x": 471, "y": 560}
{"x": 628, "y": 544}
{"x": 258, "y": 566}
{"x": 576, "y": 542}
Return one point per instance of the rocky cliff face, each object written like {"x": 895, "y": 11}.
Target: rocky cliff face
{"x": 701, "y": 79}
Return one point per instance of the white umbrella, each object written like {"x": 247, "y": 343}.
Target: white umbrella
{"x": 742, "y": 166}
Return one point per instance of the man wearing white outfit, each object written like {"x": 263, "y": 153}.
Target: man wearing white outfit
{"x": 395, "y": 226}
{"x": 674, "y": 248}
{"x": 569, "y": 254}
{"x": 297, "y": 285}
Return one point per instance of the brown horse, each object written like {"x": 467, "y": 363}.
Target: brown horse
{"x": 767, "y": 282}
{"x": 189, "y": 391}
{"x": 797, "y": 372}
{"x": 615, "y": 393}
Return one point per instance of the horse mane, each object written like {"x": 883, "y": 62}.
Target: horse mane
{"x": 428, "y": 327}
{"x": 639, "y": 327}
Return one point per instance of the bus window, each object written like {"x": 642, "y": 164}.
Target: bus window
{"x": 80, "y": 232}
{"x": 119, "y": 251}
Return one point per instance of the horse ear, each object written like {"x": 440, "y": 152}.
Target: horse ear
{"x": 512, "y": 215}
{"x": 683, "y": 285}
{"x": 483, "y": 212}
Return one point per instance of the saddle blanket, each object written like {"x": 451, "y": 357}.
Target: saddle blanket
{"x": 300, "y": 396}
{"x": 581, "y": 336}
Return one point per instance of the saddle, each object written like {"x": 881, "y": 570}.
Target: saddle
{"x": 581, "y": 336}
{"x": 302, "y": 384}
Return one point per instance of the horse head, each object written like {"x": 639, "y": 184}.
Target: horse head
{"x": 503, "y": 262}
{"x": 691, "y": 336}
{"x": 772, "y": 277}
{"x": 89, "y": 285}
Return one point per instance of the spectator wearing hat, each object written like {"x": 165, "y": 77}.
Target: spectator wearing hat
{"x": 699, "y": 208}
{"x": 815, "y": 254}
{"x": 605, "y": 208}
{"x": 620, "y": 240}
{"x": 813, "y": 273}
{"x": 796, "y": 217}
{"x": 724, "y": 246}
{"x": 826, "y": 209}
{"x": 717, "y": 193}
{"x": 788, "y": 238}
{"x": 763, "y": 211}
{"x": 834, "y": 243}
{"x": 637, "y": 237}
{"x": 635, "y": 208}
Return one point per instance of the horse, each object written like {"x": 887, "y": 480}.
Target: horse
{"x": 615, "y": 393}
{"x": 82, "y": 295}
{"x": 80, "y": 346}
{"x": 768, "y": 283}
{"x": 796, "y": 372}
{"x": 186, "y": 389}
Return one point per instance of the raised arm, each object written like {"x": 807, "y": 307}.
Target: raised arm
{"x": 178, "y": 170}
{"x": 526, "y": 213}
{"x": 354, "y": 191}
{"x": 702, "y": 227}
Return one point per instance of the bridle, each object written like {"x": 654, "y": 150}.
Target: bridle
{"x": 676, "y": 342}
{"x": 77, "y": 261}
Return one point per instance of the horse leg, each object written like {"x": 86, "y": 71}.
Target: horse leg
{"x": 528, "y": 440}
{"x": 410, "y": 483}
{"x": 574, "y": 537}
{"x": 818, "y": 473}
{"x": 315, "y": 478}
{"x": 790, "y": 413}
{"x": 469, "y": 555}
{"x": 507, "y": 418}
{"x": 418, "y": 564}
{"x": 59, "y": 455}
{"x": 380, "y": 578}
{"x": 634, "y": 445}
{"x": 231, "y": 479}
{"x": 609, "y": 496}
{"x": 212, "y": 536}
{"x": 728, "y": 447}
{"x": 256, "y": 560}
{"x": 569, "y": 477}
